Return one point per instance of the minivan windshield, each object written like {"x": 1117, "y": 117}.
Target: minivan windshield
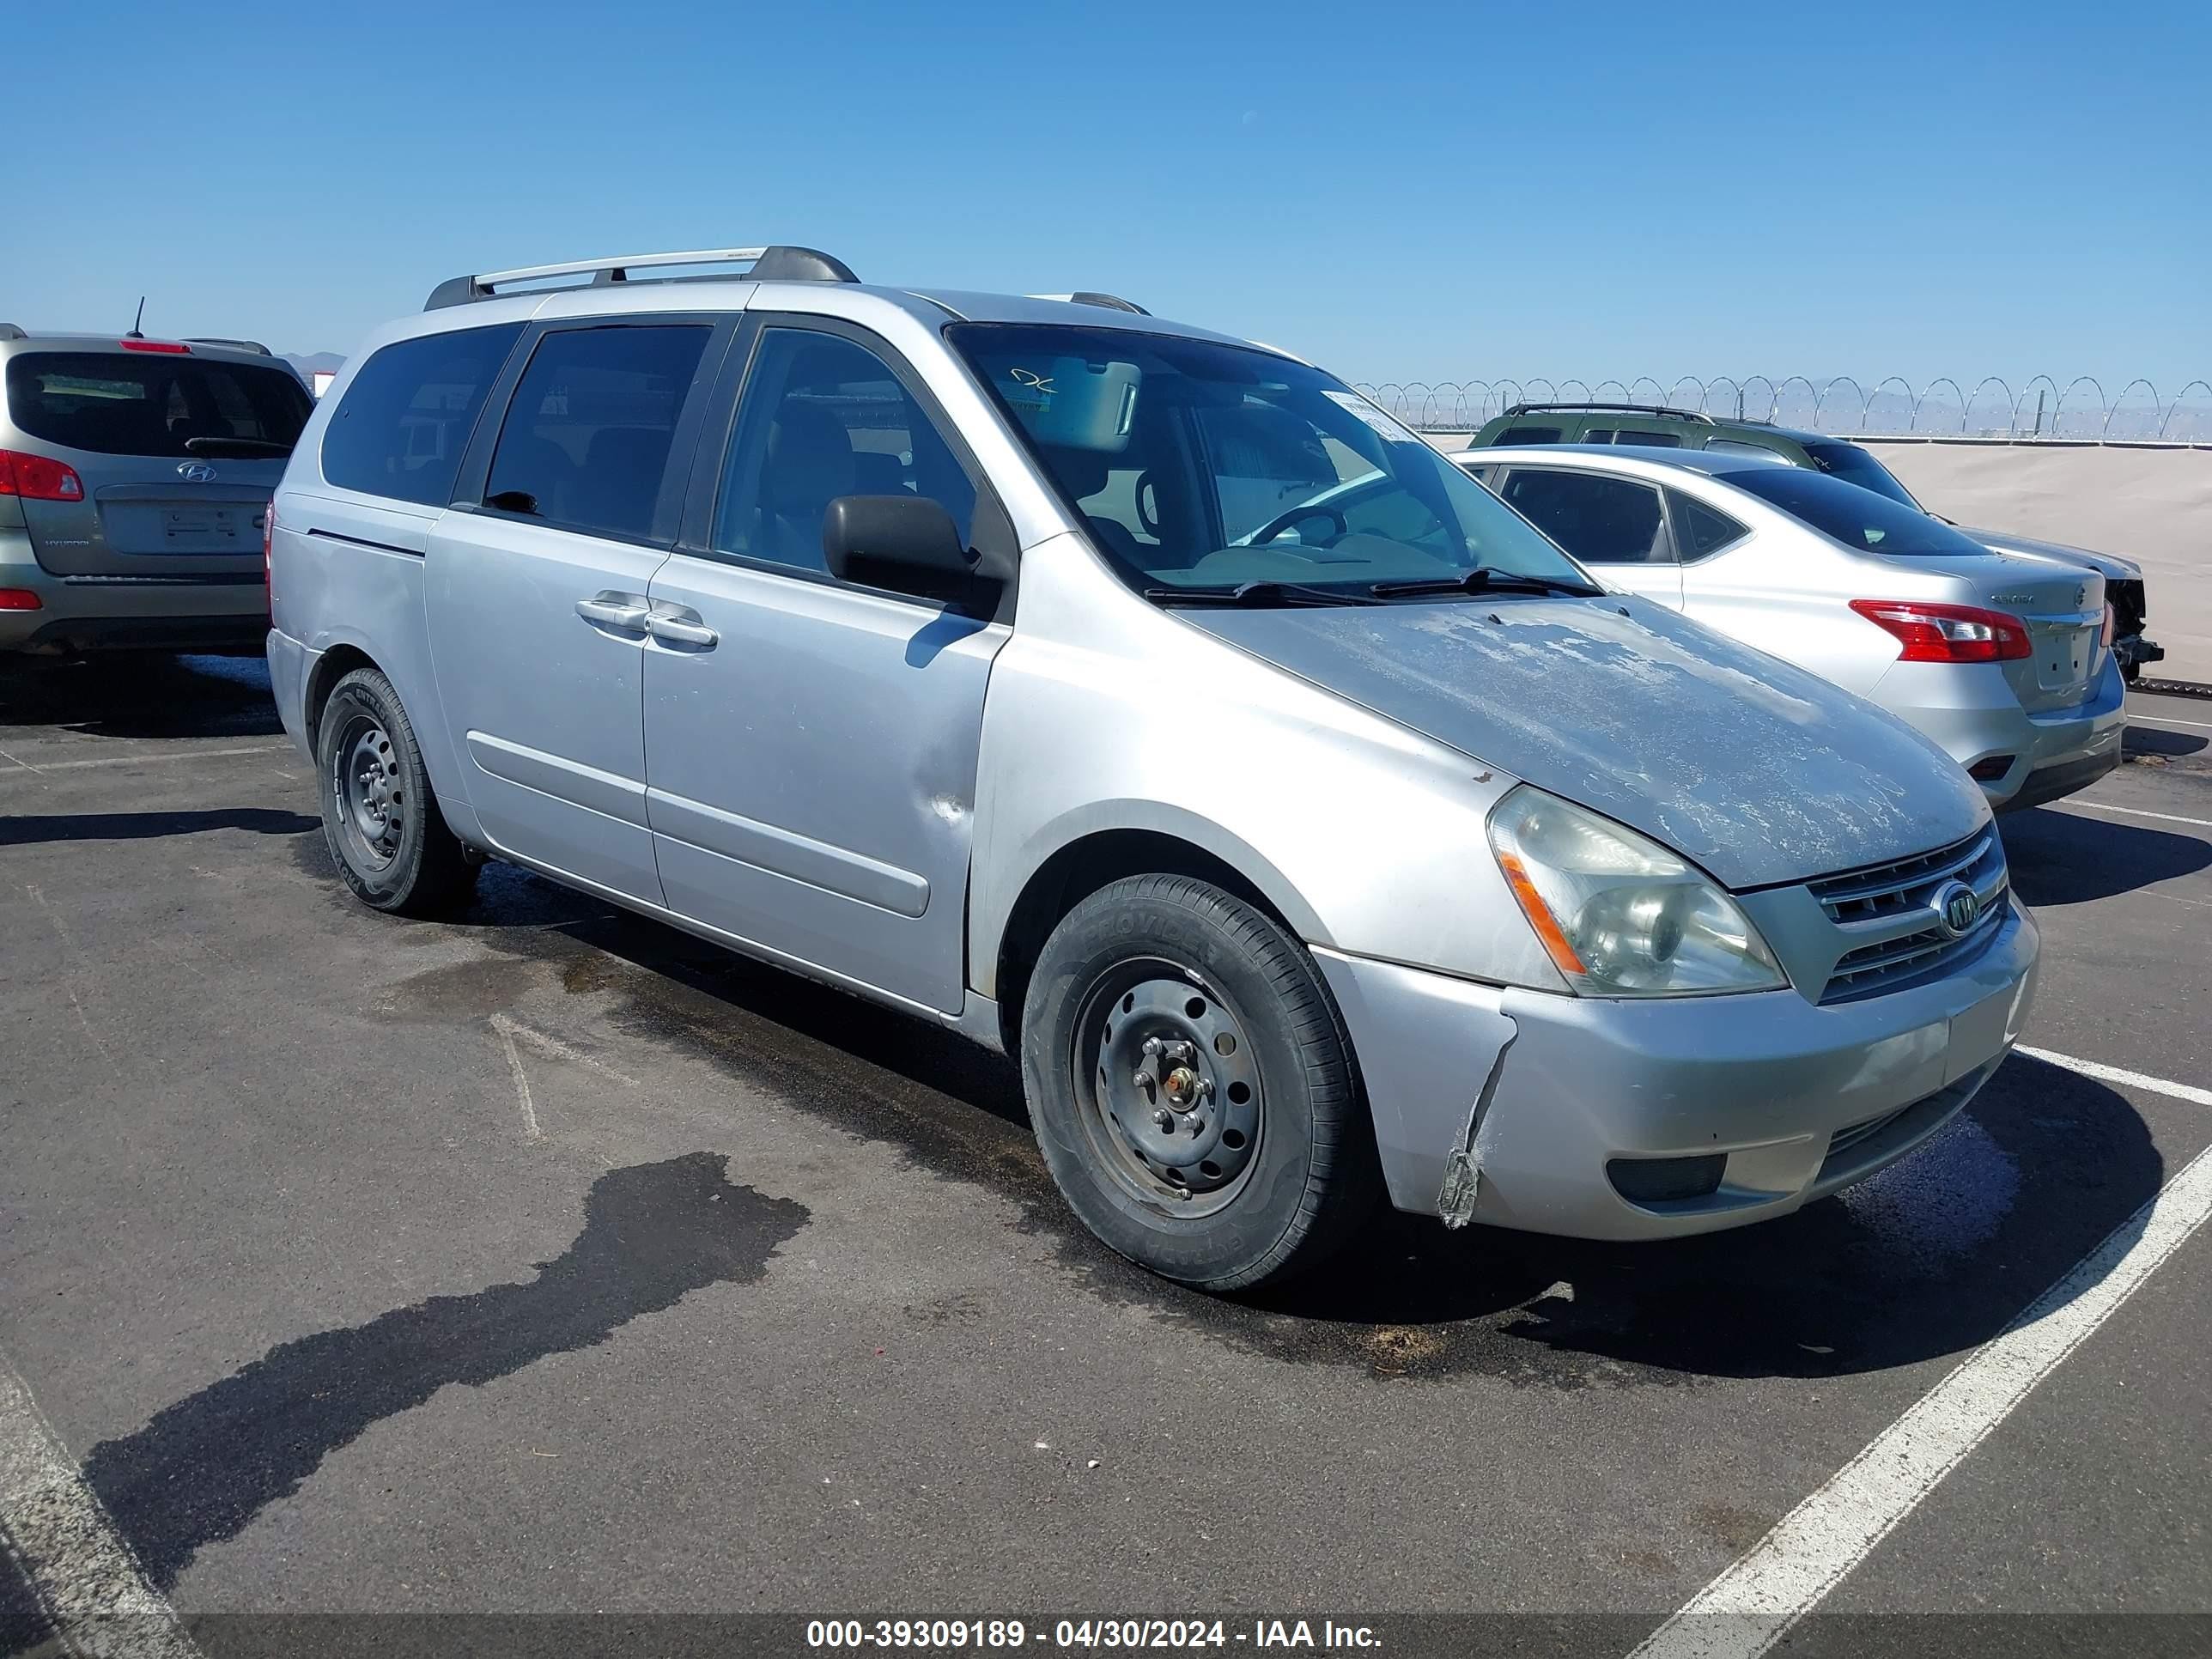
{"x": 1206, "y": 468}
{"x": 1857, "y": 518}
{"x": 1855, "y": 465}
{"x": 166, "y": 404}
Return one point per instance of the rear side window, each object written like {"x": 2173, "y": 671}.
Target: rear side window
{"x": 165, "y": 404}
{"x": 1629, "y": 435}
{"x": 408, "y": 415}
{"x": 1700, "y": 529}
{"x": 1600, "y": 520}
{"x": 586, "y": 442}
{"x": 1731, "y": 447}
{"x": 1529, "y": 434}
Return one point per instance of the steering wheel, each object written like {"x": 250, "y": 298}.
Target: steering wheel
{"x": 1282, "y": 521}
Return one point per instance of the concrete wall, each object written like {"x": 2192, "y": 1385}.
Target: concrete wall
{"x": 2153, "y": 506}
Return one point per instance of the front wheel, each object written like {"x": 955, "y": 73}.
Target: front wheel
{"x": 1192, "y": 1086}
{"x": 381, "y": 820}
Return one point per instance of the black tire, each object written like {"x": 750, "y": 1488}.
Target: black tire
{"x": 409, "y": 864}
{"x": 1185, "y": 949}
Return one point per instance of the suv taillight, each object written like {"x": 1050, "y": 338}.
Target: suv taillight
{"x": 36, "y": 478}
{"x": 1948, "y": 633}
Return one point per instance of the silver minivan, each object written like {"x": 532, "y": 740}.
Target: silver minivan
{"x": 1148, "y": 705}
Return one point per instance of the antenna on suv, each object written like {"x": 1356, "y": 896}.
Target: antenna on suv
{"x": 133, "y": 334}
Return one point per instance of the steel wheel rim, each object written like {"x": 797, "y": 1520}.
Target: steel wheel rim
{"x": 368, "y": 793}
{"x": 1169, "y": 1087}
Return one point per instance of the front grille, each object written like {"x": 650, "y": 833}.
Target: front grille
{"x": 1889, "y": 892}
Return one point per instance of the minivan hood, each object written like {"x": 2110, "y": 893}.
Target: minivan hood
{"x": 1758, "y": 771}
{"x": 2107, "y": 565}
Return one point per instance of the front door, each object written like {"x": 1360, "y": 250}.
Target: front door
{"x": 1617, "y": 526}
{"x": 811, "y": 744}
{"x": 537, "y": 594}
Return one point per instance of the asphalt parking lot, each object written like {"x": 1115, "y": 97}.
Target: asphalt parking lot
{"x": 551, "y": 1260}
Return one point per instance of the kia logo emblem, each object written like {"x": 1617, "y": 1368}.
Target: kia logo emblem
{"x": 1956, "y": 908}
{"x": 195, "y": 472}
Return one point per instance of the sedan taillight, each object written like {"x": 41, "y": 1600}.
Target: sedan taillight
{"x": 36, "y": 478}
{"x": 1948, "y": 633}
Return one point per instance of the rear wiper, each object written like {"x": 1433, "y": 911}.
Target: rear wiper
{"x": 1259, "y": 594}
{"x": 1483, "y": 579}
{"x": 236, "y": 448}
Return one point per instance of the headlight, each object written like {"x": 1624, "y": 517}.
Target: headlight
{"x": 1622, "y": 916}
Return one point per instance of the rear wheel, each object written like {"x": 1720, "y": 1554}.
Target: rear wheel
{"x": 381, "y": 820}
{"x": 1192, "y": 1086}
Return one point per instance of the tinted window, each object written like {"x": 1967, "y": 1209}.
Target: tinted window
{"x": 1598, "y": 434}
{"x": 407, "y": 415}
{"x": 1242, "y": 466}
{"x": 165, "y": 404}
{"x": 1600, "y": 520}
{"x": 1857, "y": 518}
{"x": 1629, "y": 435}
{"x": 1529, "y": 434}
{"x": 1855, "y": 465}
{"x": 584, "y": 444}
{"x": 823, "y": 416}
{"x": 1700, "y": 529}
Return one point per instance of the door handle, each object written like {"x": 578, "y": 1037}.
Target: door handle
{"x": 676, "y": 630}
{"x": 615, "y": 611}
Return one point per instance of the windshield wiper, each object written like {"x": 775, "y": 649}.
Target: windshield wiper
{"x": 1257, "y": 594}
{"x": 235, "y": 448}
{"x": 1484, "y": 579}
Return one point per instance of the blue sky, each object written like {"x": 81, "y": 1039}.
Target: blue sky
{"x": 1396, "y": 191}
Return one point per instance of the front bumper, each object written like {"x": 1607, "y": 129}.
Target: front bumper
{"x": 1534, "y": 1094}
{"x": 93, "y": 613}
{"x": 1975, "y": 717}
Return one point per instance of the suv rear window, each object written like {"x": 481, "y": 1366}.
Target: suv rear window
{"x": 407, "y": 416}
{"x": 1529, "y": 434}
{"x": 114, "y": 402}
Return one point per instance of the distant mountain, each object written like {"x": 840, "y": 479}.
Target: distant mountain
{"x": 308, "y": 363}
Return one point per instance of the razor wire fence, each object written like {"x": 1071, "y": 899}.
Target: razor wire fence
{"x": 2079, "y": 410}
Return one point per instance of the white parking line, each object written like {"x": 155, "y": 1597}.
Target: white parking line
{"x": 530, "y": 1129}
{"x": 2165, "y": 719}
{"x": 2105, "y": 1073}
{"x": 2134, "y": 812}
{"x": 152, "y": 760}
{"x": 1745, "y": 1610}
{"x": 86, "y": 1577}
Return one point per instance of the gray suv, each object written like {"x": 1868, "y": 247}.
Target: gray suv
{"x": 1151, "y": 706}
{"x": 134, "y": 478}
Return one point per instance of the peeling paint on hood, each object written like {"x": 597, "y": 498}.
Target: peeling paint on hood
{"x": 1759, "y": 771}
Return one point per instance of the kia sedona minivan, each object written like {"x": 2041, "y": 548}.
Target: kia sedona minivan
{"x": 1150, "y": 706}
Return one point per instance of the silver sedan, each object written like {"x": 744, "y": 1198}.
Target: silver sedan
{"x": 2003, "y": 660}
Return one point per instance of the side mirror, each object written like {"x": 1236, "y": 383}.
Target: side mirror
{"x": 908, "y": 544}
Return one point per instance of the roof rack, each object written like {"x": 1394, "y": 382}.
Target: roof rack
{"x": 235, "y": 345}
{"x": 1091, "y": 297}
{"x": 1624, "y": 409}
{"x": 773, "y": 264}
{"x": 9, "y": 331}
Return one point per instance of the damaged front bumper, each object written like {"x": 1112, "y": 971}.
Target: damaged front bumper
{"x": 1533, "y": 1111}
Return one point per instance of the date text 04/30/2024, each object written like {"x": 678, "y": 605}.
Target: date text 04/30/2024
{"x": 1319, "y": 1636}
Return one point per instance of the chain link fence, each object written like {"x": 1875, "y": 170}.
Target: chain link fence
{"x": 2040, "y": 407}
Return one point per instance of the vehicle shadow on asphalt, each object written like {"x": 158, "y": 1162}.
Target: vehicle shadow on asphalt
{"x": 2149, "y": 740}
{"x": 2058, "y": 858}
{"x": 131, "y": 695}
{"x": 204, "y": 1467}
{"x": 24, "y": 829}
{"x": 1929, "y": 1258}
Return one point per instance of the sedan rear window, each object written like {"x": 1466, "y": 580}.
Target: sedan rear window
{"x": 1855, "y": 465}
{"x": 166, "y": 404}
{"x": 1857, "y": 518}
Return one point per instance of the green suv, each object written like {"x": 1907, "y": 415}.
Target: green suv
{"x": 1653, "y": 426}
